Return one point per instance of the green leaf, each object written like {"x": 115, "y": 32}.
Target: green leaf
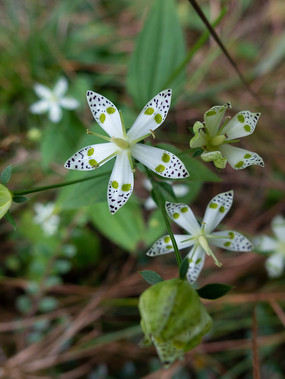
{"x": 213, "y": 291}
{"x": 10, "y": 219}
{"x": 151, "y": 277}
{"x": 197, "y": 170}
{"x": 125, "y": 228}
{"x": 183, "y": 268}
{"x": 159, "y": 50}
{"x": 20, "y": 199}
{"x": 6, "y": 175}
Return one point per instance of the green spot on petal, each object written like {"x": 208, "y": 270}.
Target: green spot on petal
{"x": 213, "y": 205}
{"x": 239, "y": 164}
{"x": 247, "y": 128}
{"x": 93, "y": 163}
{"x": 169, "y": 247}
{"x": 240, "y": 117}
{"x": 115, "y": 184}
{"x": 211, "y": 113}
{"x": 167, "y": 239}
{"x": 111, "y": 110}
{"x": 222, "y": 209}
{"x": 231, "y": 235}
{"x": 102, "y": 118}
{"x": 90, "y": 152}
{"x": 160, "y": 168}
{"x": 126, "y": 187}
{"x": 176, "y": 215}
{"x": 158, "y": 118}
{"x": 246, "y": 156}
{"x": 149, "y": 111}
{"x": 184, "y": 209}
{"x": 198, "y": 260}
{"x": 166, "y": 157}
{"x": 227, "y": 244}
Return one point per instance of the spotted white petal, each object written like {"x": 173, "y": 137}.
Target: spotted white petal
{"x": 242, "y": 124}
{"x": 200, "y": 137}
{"x": 69, "y": 103}
{"x": 240, "y": 158}
{"x": 42, "y": 91}
{"x": 196, "y": 258}
{"x": 152, "y": 115}
{"x": 55, "y": 112}
{"x": 60, "y": 87}
{"x": 278, "y": 227}
{"x": 183, "y": 216}
{"x": 216, "y": 210}
{"x": 265, "y": 244}
{"x": 164, "y": 245}
{"x": 275, "y": 265}
{"x": 230, "y": 240}
{"x": 121, "y": 182}
{"x": 39, "y": 107}
{"x": 161, "y": 161}
{"x": 90, "y": 157}
{"x": 106, "y": 114}
{"x": 213, "y": 118}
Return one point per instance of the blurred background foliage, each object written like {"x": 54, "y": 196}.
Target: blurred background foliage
{"x": 69, "y": 300}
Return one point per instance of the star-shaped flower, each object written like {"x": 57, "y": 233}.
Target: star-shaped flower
{"x": 216, "y": 140}
{"x": 45, "y": 217}
{"x": 200, "y": 236}
{"x": 275, "y": 264}
{"x": 124, "y": 146}
{"x": 53, "y": 100}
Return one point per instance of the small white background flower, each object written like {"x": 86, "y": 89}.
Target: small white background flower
{"x": 200, "y": 236}
{"x": 275, "y": 264}
{"x": 125, "y": 146}
{"x": 53, "y": 100}
{"x": 46, "y": 218}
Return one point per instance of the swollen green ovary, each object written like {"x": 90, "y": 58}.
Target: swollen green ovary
{"x": 217, "y": 140}
{"x": 120, "y": 142}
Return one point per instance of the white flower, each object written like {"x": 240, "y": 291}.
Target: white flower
{"x": 275, "y": 264}
{"x": 124, "y": 146}
{"x": 53, "y": 100}
{"x": 200, "y": 237}
{"x": 46, "y": 218}
{"x": 215, "y": 140}
{"x": 179, "y": 190}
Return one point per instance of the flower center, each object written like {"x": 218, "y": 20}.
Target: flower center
{"x": 217, "y": 140}
{"x": 120, "y": 142}
{"x": 203, "y": 242}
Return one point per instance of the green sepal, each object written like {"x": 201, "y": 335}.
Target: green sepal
{"x": 183, "y": 268}
{"x": 214, "y": 291}
{"x": 6, "y": 175}
{"x": 197, "y": 152}
{"x": 20, "y": 199}
{"x": 10, "y": 219}
{"x": 151, "y": 277}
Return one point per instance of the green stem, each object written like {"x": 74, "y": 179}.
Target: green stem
{"x": 39, "y": 189}
{"x": 161, "y": 203}
{"x": 193, "y": 50}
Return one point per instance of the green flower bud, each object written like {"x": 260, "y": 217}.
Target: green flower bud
{"x": 173, "y": 318}
{"x": 5, "y": 200}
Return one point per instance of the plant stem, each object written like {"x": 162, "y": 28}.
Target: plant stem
{"x": 39, "y": 189}
{"x": 161, "y": 204}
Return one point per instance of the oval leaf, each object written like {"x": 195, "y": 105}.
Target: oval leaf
{"x": 6, "y": 175}
{"x": 213, "y": 291}
{"x": 151, "y": 277}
